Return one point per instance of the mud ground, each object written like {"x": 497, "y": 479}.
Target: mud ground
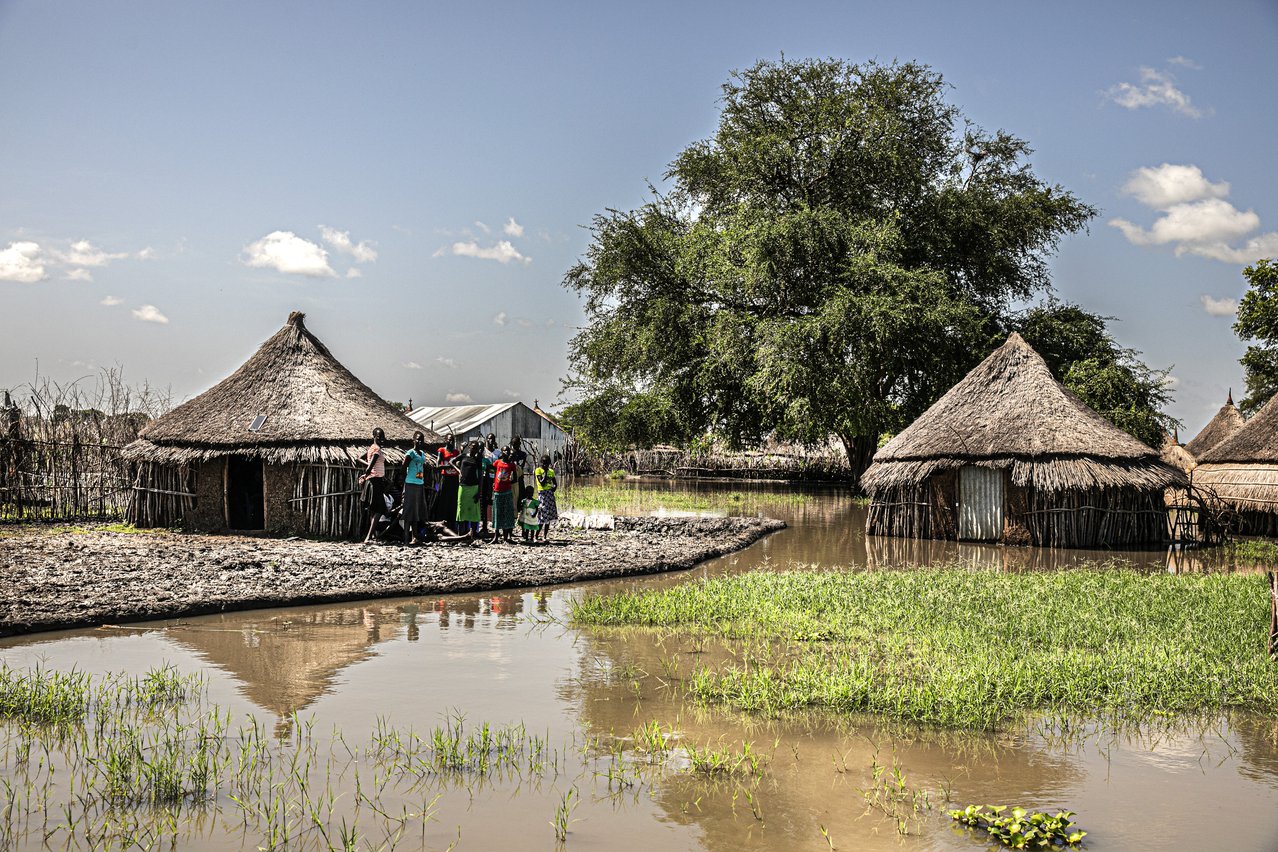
{"x": 51, "y": 580}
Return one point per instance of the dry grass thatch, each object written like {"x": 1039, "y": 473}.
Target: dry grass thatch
{"x": 1219, "y": 429}
{"x": 315, "y": 411}
{"x": 1175, "y": 455}
{"x": 1255, "y": 443}
{"x": 1010, "y": 412}
{"x": 1245, "y": 487}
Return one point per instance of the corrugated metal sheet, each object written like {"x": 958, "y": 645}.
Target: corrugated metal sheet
{"x": 980, "y": 504}
{"x": 460, "y": 418}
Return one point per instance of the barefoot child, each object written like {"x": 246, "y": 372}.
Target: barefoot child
{"x": 528, "y": 521}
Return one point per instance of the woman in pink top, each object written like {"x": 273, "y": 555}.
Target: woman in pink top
{"x": 374, "y": 481}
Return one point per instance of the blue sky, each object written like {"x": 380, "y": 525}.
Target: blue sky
{"x": 176, "y": 177}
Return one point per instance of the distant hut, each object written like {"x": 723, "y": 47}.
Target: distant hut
{"x": 1242, "y": 470}
{"x": 1008, "y": 454}
{"x": 1174, "y": 454}
{"x": 1226, "y": 422}
{"x": 276, "y": 446}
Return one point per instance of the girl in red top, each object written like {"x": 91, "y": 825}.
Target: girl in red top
{"x": 504, "y": 473}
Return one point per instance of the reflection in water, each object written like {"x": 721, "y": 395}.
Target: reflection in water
{"x": 508, "y": 657}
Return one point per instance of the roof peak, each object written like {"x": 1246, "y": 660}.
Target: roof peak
{"x": 296, "y": 318}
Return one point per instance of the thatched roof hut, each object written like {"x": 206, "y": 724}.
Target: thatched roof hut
{"x": 1226, "y": 422}
{"x": 1174, "y": 454}
{"x": 1242, "y": 471}
{"x": 1008, "y": 454}
{"x": 291, "y": 419}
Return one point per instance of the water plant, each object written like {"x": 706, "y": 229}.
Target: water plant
{"x": 563, "y": 814}
{"x": 1021, "y": 829}
{"x": 960, "y": 648}
{"x": 621, "y": 498}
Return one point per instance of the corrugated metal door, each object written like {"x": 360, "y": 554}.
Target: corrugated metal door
{"x": 980, "y": 504}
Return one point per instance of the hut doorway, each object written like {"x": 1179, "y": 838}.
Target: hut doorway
{"x": 980, "y": 504}
{"x": 245, "y": 494}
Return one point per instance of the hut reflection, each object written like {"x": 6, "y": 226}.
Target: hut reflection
{"x": 285, "y": 662}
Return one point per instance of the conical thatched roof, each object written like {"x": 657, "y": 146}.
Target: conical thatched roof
{"x": 1009, "y": 411}
{"x": 1221, "y": 427}
{"x": 314, "y": 409}
{"x": 1174, "y": 454}
{"x": 1256, "y": 442}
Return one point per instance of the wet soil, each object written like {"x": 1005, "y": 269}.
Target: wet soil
{"x": 51, "y": 581}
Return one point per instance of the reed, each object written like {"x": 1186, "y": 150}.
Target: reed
{"x": 969, "y": 649}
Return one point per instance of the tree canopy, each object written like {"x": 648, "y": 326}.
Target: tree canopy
{"x": 842, "y": 250}
{"x": 1258, "y": 321}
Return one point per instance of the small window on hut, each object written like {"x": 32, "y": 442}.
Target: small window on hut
{"x": 257, "y": 422}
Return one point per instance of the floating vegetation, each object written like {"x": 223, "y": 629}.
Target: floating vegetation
{"x": 1021, "y": 829}
{"x": 969, "y": 649}
{"x": 602, "y": 498}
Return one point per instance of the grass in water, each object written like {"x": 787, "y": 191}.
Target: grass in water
{"x": 959, "y": 648}
{"x": 601, "y": 498}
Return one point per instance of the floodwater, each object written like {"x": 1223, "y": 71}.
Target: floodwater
{"x": 509, "y": 658}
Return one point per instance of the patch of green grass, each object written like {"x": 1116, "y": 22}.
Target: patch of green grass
{"x": 1253, "y": 552}
{"x": 599, "y": 498}
{"x": 970, "y": 649}
{"x": 45, "y": 529}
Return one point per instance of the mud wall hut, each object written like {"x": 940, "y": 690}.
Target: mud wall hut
{"x": 1009, "y": 455}
{"x": 276, "y": 446}
{"x": 1242, "y": 472}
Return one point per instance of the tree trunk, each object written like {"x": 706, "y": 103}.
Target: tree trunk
{"x": 860, "y": 450}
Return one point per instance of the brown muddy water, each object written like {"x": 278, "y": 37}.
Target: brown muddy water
{"x": 322, "y": 681}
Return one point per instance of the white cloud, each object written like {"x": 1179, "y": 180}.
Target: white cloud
{"x": 362, "y": 251}
{"x": 84, "y": 253}
{"x": 147, "y": 253}
{"x": 447, "y": 363}
{"x": 1184, "y": 62}
{"x": 286, "y": 252}
{"x": 458, "y": 398}
{"x": 1156, "y": 88}
{"x": 79, "y": 274}
{"x": 511, "y": 393}
{"x": 512, "y": 228}
{"x": 500, "y": 318}
{"x": 524, "y": 322}
{"x": 1265, "y": 245}
{"x": 1194, "y": 217}
{"x": 22, "y": 262}
{"x": 1162, "y": 186}
{"x": 502, "y": 252}
{"x": 354, "y": 272}
{"x": 481, "y": 226}
{"x": 111, "y": 301}
{"x": 1219, "y": 307}
{"x": 411, "y": 365}
{"x": 150, "y": 313}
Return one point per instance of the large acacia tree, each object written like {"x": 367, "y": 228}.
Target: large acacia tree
{"x": 838, "y": 254}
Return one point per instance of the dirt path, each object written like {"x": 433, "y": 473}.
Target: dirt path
{"x": 75, "y": 579}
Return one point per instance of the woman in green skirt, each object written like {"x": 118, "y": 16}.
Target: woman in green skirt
{"x": 468, "y": 489}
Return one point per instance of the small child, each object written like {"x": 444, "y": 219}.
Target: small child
{"x": 528, "y": 520}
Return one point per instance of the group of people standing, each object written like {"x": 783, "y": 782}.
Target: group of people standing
{"x": 455, "y": 494}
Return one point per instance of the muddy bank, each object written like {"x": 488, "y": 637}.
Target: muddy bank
{"x": 50, "y": 581}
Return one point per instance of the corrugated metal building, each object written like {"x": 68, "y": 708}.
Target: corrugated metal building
{"x": 537, "y": 429}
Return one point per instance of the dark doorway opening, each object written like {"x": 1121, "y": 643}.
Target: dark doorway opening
{"x": 245, "y": 495}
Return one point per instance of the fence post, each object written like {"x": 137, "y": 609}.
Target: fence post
{"x": 1273, "y": 615}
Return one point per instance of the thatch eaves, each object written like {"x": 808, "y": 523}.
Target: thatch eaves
{"x": 1219, "y": 429}
{"x": 313, "y": 408}
{"x": 1010, "y": 412}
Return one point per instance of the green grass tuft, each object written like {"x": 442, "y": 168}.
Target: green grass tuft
{"x": 969, "y": 649}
